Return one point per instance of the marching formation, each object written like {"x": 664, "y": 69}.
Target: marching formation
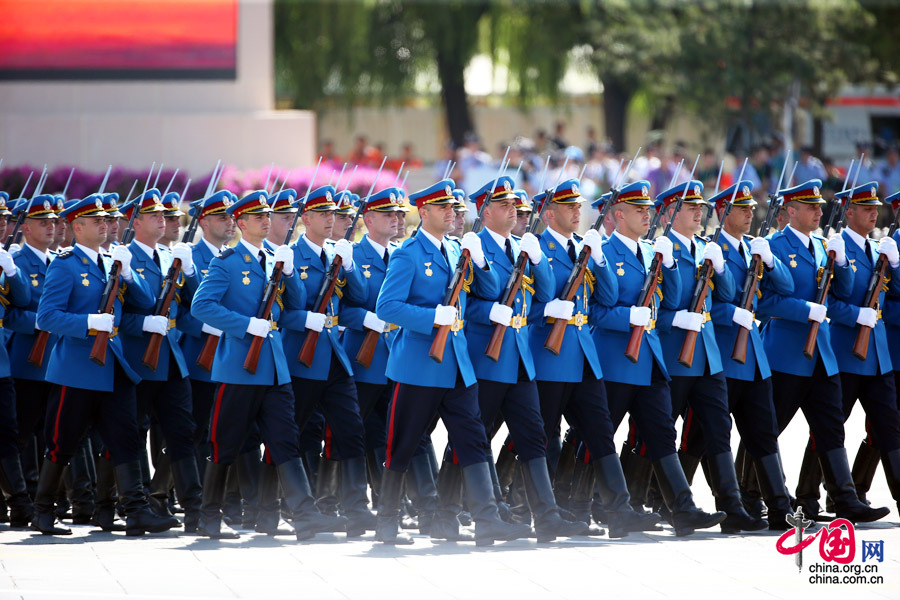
{"x": 290, "y": 385}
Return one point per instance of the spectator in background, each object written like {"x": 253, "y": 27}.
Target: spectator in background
{"x": 870, "y": 169}
{"x": 559, "y": 136}
{"x": 708, "y": 169}
{"x": 809, "y": 167}
{"x": 408, "y": 156}
{"x": 327, "y": 152}
{"x": 591, "y": 146}
{"x": 890, "y": 171}
{"x": 835, "y": 180}
{"x": 541, "y": 142}
{"x": 440, "y": 165}
{"x": 357, "y": 155}
{"x": 472, "y": 155}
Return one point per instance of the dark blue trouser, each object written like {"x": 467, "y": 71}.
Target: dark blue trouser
{"x": 651, "y": 408}
{"x": 521, "y": 409}
{"x": 169, "y": 404}
{"x": 9, "y": 430}
{"x": 819, "y": 397}
{"x": 878, "y": 397}
{"x": 707, "y": 398}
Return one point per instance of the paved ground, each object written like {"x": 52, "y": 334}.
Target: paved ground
{"x": 93, "y": 564}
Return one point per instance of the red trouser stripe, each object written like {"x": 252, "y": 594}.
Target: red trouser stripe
{"x": 55, "y": 452}
{"x": 215, "y": 423}
{"x": 587, "y": 456}
{"x": 390, "y": 435}
{"x": 632, "y": 434}
{"x": 812, "y": 439}
{"x": 687, "y": 428}
{"x": 327, "y": 441}
{"x": 267, "y": 456}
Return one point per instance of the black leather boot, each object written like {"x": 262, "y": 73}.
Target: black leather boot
{"x": 232, "y": 508}
{"x": 519, "y": 509}
{"x": 689, "y": 464}
{"x": 311, "y": 461}
{"x": 637, "y": 470}
{"x": 548, "y": 525}
{"x": 422, "y": 491}
{"x": 31, "y": 464}
{"x": 12, "y": 484}
{"x": 248, "y": 466}
{"x": 81, "y": 488}
{"x": 160, "y": 484}
{"x": 189, "y": 490}
{"x": 728, "y": 496}
{"x": 449, "y": 486}
{"x": 373, "y": 473}
{"x": 774, "y": 492}
{"x": 354, "y": 497}
{"x": 44, "y": 513}
{"x": 565, "y": 470}
{"x": 388, "y": 529}
{"x": 676, "y": 493}
{"x": 839, "y": 484}
{"x": 328, "y": 486}
{"x": 891, "y": 463}
{"x": 583, "y": 495}
{"x": 480, "y": 499}
{"x": 808, "y": 483}
{"x": 105, "y": 501}
{"x": 506, "y": 470}
{"x": 211, "y": 520}
{"x": 306, "y": 518}
{"x": 139, "y": 519}
{"x": 268, "y": 518}
{"x": 621, "y": 517}
{"x": 502, "y": 506}
{"x": 751, "y": 494}
{"x": 864, "y": 467}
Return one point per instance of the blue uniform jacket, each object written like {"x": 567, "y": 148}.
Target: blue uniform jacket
{"x": 479, "y": 327}
{"x": 778, "y": 279}
{"x": 193, "y": 338}
{"x": 353, "y": 314}
{"x": 891, "y": 312}
{"x": 612, "y": 320}
{"x": 228, "y": 296}
{"x": 134, "y": 337}
{"x": 293, "y": 324}
{"x": 20, "y": 321}
{"x": 706, "y": 351}
{"x": 577, "y": 345}
{"x": 416, "y": 282}
{"x": 843, "y": 311}
{"x": 72, "y": 291}
{"x": 785, "y": 334}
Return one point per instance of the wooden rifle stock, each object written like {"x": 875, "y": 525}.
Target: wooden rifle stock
{"x": 739, "y": 352}
{"x": 686, "y": 356}
{"x": 861, "y": 345}
{"x": 554, "y": 340}
{"x": 264, "y": 312}
{"x": 308, "y": 349}
{"x": 513, "y": 285}
{"x": 98, "y": 350}
{"x": 36, "y": 356}
{"x": 439, "y": 343}
{"x": 151, "y": 354}
{"x": 208, "y": 352}
{"x": 367, "y": 350}
{"x": 633, "y": 350}
{"x": 809, "y": 348}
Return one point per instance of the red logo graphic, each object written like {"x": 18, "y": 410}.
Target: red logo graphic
{"x": 837, "y": 542}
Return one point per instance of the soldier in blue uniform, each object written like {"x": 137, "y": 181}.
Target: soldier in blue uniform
{"x": 15, "y": 292}
{"x": 411, "y": 297}
{"x": 701, "y": 388}
{"x": 328, "y": 383}
{"x": 227, "y": 297}
{"x": 812, "y": 385}
{"x": 172, "y": 203}
{"x": 641, "y": 388}
{"x": 870, "y": 381}
{"x": 84, "y": 392}
{"x": 111, "y": 206}
{"x": 164, "y": 393}
{"x": 506, "y": 388}
{"x": 867, "y": 457}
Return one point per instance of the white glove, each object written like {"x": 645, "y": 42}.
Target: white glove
{"x": 344, "y": 249}
{"x": 761, "y": 247}
{"x": 594, "y": 241}
{"x": 444, "y": 315}
{"x": 502, "y": 314}
{"x": 888, "y": 247}
{"x": 101, "y": 322}
{"x": 687, "y": 319}
{"x": 258, "y": 327}
{"x": 123, "y": 255}
{"x": 14, "y": 248}
{"x": 836, "y": 244}
{"x": 315, "y": 321}
{"x": 713, "y": 253}
{"x": 530, "y": 245}
{"x": 640, "y": 316}
{"x": 663, "y": 245}
{"x": 156, "y": 324}
{"x": 285, "y": 255}
{"x": 211, "y": 330}
{"x": 373, "y": 322}
{"x": 472, "y": 243}
{"x": 559, "y": 309}
{"x": 743, "y": 317}
{"x": 183, "y": 252}
{"x": 7, "y": 263}
{"x": 867, "y": 316}
{"x": 817, "y": 312}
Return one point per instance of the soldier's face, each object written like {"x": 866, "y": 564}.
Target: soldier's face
{"x": 739, "y": 219}
{"x": 459, "y": 223}
{"x": 150, "y": 226}
{"x": 438, "y": 217}
{"x": 60, "y": 231}
{"x": 804, "y": 217}
{"x": 400, "y": 216}
{"x": 341, "y": 225}
{"x": 3, "y": 221}
{"x": 173, "y": 227}
{"x": 381, "y": 225}
{"x": 255, "y": 226}
{"x": 280, "y": 223}
{"x": 861, "y": 219}
{"x": 521, "y": 222}
{"x": 564, "y": 218}
{"x": 90, "y": 231}
{"x": 319, "y": 224}
{"x": 112, "y": 228}
{"x": 500, "y": 216}
{"x": 39, "y": 232}
{"x": 631, "y": 220}
{"x": 689, "y": 219}
{"x": 218, "y": 228}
